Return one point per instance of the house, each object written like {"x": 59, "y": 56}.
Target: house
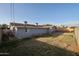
{"x": 23, "y": 31}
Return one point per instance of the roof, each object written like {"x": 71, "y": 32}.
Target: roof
{"x": 21, "y": 26}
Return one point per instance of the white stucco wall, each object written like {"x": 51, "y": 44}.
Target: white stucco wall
{"x": 20, "y": 33}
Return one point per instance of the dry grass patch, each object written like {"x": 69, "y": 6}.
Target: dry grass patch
{"x": 52, "y": 45}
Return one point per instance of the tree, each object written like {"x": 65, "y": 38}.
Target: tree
{"x": 0, "y": 25}
{"x": 48, "y": 24}
{"x": 37, "y": 24}
{"x": 25, "y": 22}
{"x": 4, "y": 26}
{"x": 55, "y": 27}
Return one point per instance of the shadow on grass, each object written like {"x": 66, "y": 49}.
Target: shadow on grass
{"x": 33, "y": 48}
{"x": 53, "y": 34}
{"x": 56, "y": 34}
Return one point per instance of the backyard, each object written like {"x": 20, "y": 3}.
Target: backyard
{"x": 57, "y": 44}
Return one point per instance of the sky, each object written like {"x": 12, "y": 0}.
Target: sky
{"x": 42, "y": 13}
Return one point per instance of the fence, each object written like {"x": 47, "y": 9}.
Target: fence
{"x": 0, "y": 36}
{"x": 77, "y": 35}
